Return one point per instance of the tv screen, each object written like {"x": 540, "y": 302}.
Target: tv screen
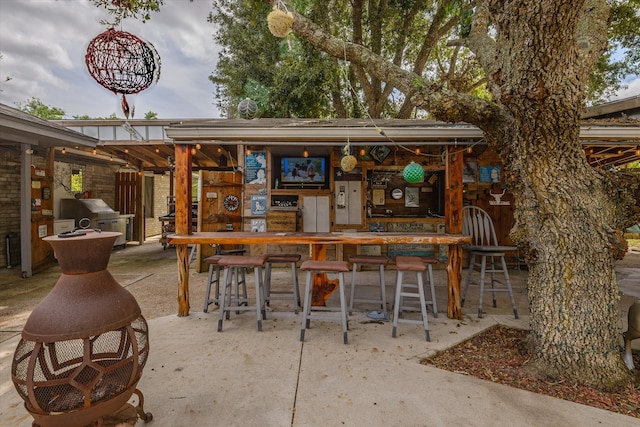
{"x": 303, "y": 170}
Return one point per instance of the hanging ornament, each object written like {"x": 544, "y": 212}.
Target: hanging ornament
{"x": 279, "y": 22}
{"x": 247, "y": 108}
{"x": 413, "y": 173}
{"x": 122, "y": 63}
{"x": 348, "y": 161}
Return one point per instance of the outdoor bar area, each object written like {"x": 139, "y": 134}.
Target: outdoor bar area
{"x": 328, "y": 189}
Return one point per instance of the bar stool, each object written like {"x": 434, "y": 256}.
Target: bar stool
{"x": 428, "y": 277}
{"x": 229, "y": 262}
{"x": 405, "y": 264}
{"x": 237, "y": 273}
{"x": 380, "y": 261}
{"x": 292, "y": 259}
{"x": 321, "y": 266}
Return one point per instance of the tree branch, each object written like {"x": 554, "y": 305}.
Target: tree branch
{"x": 443, "y": 104}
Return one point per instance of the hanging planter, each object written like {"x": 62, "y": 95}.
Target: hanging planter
{"x": 279, "y": 22}
{"x": 413, "y": 173}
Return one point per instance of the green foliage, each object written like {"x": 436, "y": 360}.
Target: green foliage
{"x": 151, "y": 115}
{"x": 113, "y": 116}
{"x": 37, "y": 108}
{"x": 121, "y": 9}
{"x": 623, "y": 56}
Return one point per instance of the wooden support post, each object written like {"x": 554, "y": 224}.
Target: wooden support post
{"x": 453, "y": 225}
{"x": 183, "y": 222}
{"x": 322, "y": 286}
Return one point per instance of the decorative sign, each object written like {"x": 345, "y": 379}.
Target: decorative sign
{"x": 258, "y": 205}
{"x": 255, "y": 168}
{"x": 489, "y": 173}
{"x": 409, "y": 227}
{"x": 497, "y": 199}
{"x": 378, "y": 196}
{"x": 258, "y": 225}
{"x": 379, "y": 153}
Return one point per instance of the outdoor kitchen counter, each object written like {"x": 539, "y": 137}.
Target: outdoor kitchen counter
{"x": 318, "y": 241}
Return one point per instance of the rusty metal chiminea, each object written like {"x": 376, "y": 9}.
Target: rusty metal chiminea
{"x": 84, "y": 346}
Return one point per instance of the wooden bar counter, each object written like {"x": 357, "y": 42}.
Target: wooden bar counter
{"x": 319, "y": 242}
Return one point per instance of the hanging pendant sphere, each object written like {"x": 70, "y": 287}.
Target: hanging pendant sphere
{"x": 413, "y": 173}
{"x": 122, "y": 62}
{"x": 279, "y": 22}
{"x": 247, "y": 108}
{"x": 348, "y": 162}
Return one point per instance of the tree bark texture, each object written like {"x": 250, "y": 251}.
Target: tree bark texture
{"x": 537, "y": 62}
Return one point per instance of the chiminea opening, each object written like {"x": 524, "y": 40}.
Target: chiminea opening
{"x": 85, "y": 345}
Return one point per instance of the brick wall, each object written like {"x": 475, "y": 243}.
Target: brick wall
{"x": 10, "y": 202}
{"x": 98, "y": 179}
{"x": 161, "y": 186}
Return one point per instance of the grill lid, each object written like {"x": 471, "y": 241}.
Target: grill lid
{"x": 86, "y": 208}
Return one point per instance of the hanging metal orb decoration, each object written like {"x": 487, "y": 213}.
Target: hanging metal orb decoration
{"x": 122, "y": 63}
{"x": 413, "y": 173}
{"x": 348, "y": 163}
{"x": 247, "y": 108}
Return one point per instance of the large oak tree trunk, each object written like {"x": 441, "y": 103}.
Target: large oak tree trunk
{"x": 566, "y": 212}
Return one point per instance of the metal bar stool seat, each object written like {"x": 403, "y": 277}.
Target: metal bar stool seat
{"x": 231, "y": 262}
{"x": 379, "y": 261}
{"x": 406, "y": 264}
{"x": 290, "y": 259}
{"x": 321, "y": 266}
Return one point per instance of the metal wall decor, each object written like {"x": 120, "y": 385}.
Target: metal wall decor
{"x": 122, "y": 63}
{"x": 231, "y": 203}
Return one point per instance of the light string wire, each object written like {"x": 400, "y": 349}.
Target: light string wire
{"x": 382, "y": 132}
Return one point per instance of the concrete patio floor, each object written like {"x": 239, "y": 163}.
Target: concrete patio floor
{"x": 196, "y": 376}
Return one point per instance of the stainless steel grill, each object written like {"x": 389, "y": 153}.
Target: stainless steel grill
{"x": 101, "y": 216}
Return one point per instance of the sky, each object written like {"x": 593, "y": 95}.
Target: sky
{"x": 43, "y": 44}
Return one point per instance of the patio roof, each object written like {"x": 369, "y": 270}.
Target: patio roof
{"x": 18, "y": 127}
{"x": 148, "y": 143}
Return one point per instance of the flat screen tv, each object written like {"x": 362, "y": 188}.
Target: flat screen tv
{"x": 303, "y": 170}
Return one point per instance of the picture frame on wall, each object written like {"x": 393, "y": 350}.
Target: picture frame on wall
{"x": 379, "y": 153}
{"x": 470, "y": 171}
{"x": 412, "y": 197}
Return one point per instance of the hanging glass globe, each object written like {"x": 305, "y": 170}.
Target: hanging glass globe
{"x": 413, "y": 173}
{"x": 348, "y": 162}
{"x": 247, "y": 108}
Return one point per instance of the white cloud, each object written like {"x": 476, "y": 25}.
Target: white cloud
{"x": 43, "y": 44}
{"x": 631, "y": 88}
